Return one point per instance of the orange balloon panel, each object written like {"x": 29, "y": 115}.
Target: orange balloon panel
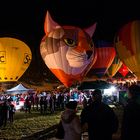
{"x": 67, "y": 51}
{"x": 105, "y": 56}
{"x": 127, "y": 45}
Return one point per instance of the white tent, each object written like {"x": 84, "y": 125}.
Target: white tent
{"x": 18, "y": 89}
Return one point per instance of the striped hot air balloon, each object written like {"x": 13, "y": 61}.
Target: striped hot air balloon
{"x": 115, "y": 66}
{"x": 127, "y": 44}
{"x": 105, "y": 56}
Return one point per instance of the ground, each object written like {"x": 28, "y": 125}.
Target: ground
{"x": 33, "y": 126}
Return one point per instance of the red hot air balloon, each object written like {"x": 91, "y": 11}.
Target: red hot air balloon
{"x": 105, "y": 56}
{"x": 123, "y": 70}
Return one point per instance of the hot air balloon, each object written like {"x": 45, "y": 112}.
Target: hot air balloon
{"x": 105, "y": 56}
{"x": 123, "y": 70}
{"x": 115, "y": 66}
{"x": 15, "y": 58}
{"x": 127, "y": 44}
{"x": 67, "y": 51}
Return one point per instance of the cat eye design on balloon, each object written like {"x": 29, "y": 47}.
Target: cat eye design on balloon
{"x": 69, "y": 42}
{"x": 91, "y": 44}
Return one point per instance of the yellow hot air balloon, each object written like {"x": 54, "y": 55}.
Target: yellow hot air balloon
{"x": 128, "y": 46}
{"x": 15, "y": 58}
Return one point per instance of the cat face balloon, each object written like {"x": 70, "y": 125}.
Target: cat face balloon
{"x": 67, "y": 51}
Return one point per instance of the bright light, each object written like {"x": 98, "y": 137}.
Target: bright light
{"x": 113, "y": 89}
{"x": 107, "y": 92}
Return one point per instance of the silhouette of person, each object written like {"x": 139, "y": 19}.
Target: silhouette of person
{"x": 131, "y": 115}
{"x": 11, "y": 112}
{"x": 4, "y": 112}
{"x": 101, "y": 120}
{"x": 28, "y": 105}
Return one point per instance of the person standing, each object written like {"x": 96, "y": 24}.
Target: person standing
{"x": 11, "y": 112}
{"x": 5, "y": 112}
{"x": 100, "y": 119}
{"x": 28, "y": 104}
{"x": 131, "y": 116}
{"x": 41, "y": 104}
{"x": 71, "y": 122}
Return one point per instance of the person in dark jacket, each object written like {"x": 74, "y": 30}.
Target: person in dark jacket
{"x": 11, "y": 112}
{"x": 4, "y": 112}
{"x": 131, "y": 116}
{"x": 101, "y": 120}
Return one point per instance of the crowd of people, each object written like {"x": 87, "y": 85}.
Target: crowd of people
{"x": 45, "y": 102}
{"x": 100, "y": 120}
{"x": 7, "y": 111}
{"x": 96, "y": 117}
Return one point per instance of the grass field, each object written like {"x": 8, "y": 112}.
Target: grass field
{"x": 26, "y": 124}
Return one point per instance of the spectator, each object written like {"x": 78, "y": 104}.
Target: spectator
{"x": 28, "y": 105}
{"x": 45, "y": 102}
{"x": 11, "y": 112}
{"x": 41, "y": 104}
{"x": 85, "y": 102}
{"x": 71, "y": 122}
{"x": 100, "y": 118}
{"x": 4, "y": 113}
{"x": 1, "y": 115}
{"x": 131, "y": 116}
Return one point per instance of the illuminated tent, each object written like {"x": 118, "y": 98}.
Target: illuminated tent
{"x": 18, "y": 89}
{"x": 15, "y": 58}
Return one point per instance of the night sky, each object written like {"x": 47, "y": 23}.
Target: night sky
{"x": 24, "y": 19}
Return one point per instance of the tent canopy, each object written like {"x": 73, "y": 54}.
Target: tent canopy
{"x": 18, "y": 89}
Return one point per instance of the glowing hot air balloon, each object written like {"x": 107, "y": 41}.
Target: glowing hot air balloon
{"x": 123, "y": 70}
{"x": 115, "y": 66}
{"x": 127, "y": 45}
{"x": 67, "y": 51}
{"x": 15, "y": 58}
{"x": 105, "y": 56}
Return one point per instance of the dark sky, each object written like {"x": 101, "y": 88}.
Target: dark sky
{"x": 24, "y": 19}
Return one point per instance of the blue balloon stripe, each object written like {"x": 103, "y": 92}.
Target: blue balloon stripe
{"x": 99, "y": 72}
{"x": 103, "y": 44}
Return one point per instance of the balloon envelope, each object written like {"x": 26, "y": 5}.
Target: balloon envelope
{"x": 115, "y": 66}
{"x": 127, "y": 45}
{"x": 105, "y": 56}
{"x": 15, "y": 58}
{"x": 67, "y": 51}
{"x": 123, "y": 70}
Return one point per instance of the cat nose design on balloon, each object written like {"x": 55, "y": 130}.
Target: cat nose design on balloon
{"x": 89, "y": 53}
